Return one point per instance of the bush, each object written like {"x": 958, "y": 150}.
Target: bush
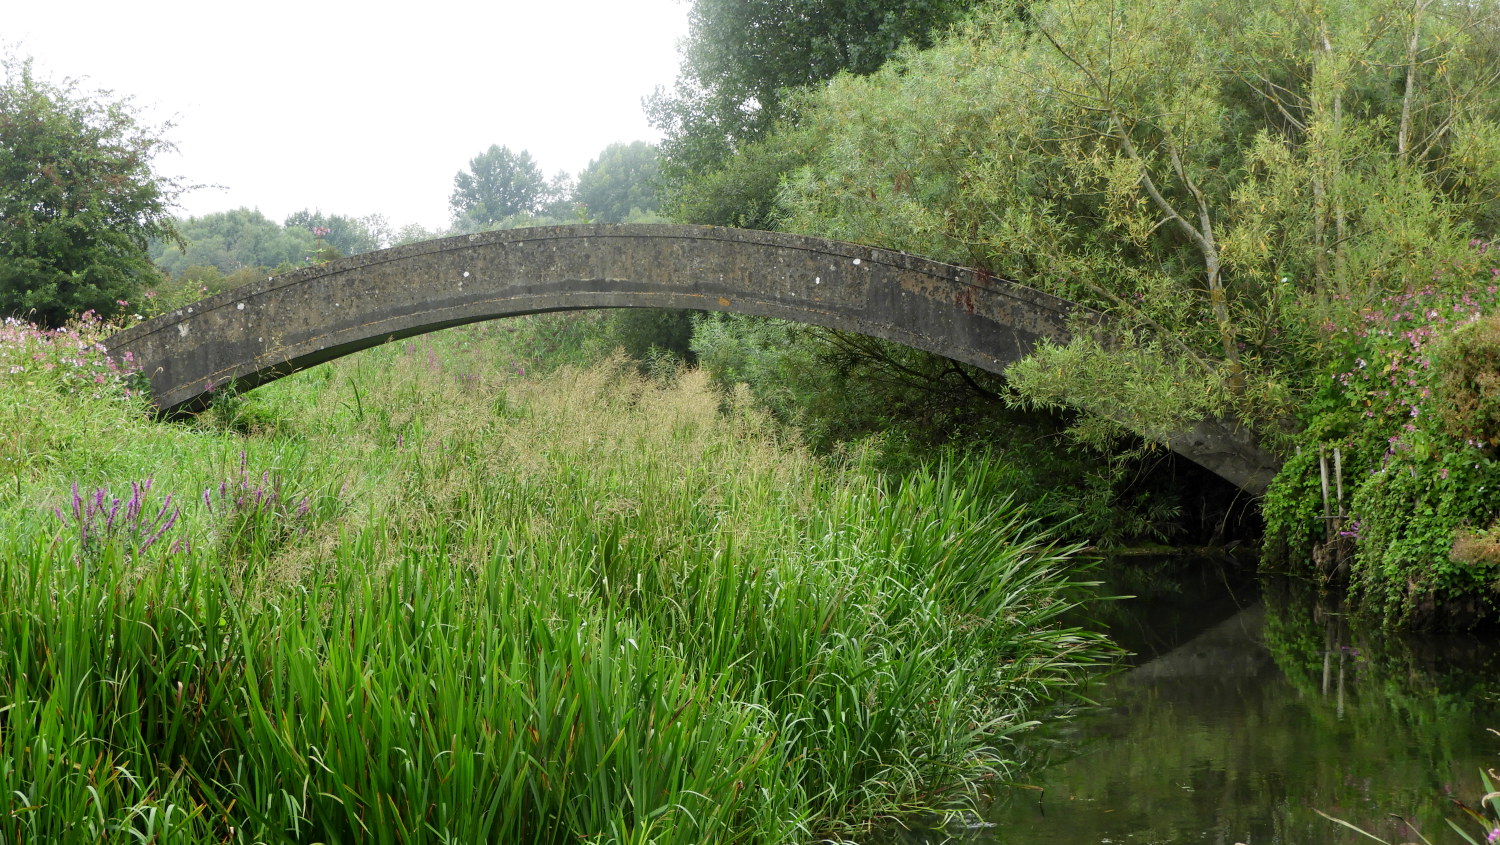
{"x": 1478, "y": 548}
{"x": 1466, "y": 389}
{"x": 1407, "y": 403}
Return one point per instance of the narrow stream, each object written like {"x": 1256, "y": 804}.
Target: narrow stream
{"x": 1243, "y": 715}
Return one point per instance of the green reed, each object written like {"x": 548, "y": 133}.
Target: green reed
{"x": 468, "y": 607}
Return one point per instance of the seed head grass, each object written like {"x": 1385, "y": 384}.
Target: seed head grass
{"x": 433, "y": 600}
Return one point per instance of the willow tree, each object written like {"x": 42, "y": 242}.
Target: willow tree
{"x": 1216, "y": 174}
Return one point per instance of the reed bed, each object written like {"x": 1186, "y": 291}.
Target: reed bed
{"x": 414, "y": 597}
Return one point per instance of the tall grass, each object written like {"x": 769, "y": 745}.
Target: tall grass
{"x": 427, "y": 600}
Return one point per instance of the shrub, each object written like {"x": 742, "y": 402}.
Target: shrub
{"x": 1477, "y": 548}
{"x": 1406, "y": 400}
{"x": 1466, "y": 390}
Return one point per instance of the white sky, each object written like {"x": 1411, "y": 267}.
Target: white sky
{"x": 361, "y": 107}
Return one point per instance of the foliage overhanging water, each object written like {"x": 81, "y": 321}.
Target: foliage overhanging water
{"x": 1245, "y": 716}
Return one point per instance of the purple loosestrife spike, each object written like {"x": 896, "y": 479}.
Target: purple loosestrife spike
{"x": 114, "y": 508}
{"x": 79, "y": 509}
{"x": 208, "y": 500}
{"x": 171, "y": 520}
{"x": 164, "y": 505}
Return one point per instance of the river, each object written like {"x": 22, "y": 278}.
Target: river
{"x": 1243, "y": 712}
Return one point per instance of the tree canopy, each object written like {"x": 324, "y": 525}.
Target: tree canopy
{"x": 498, "y": 184}
{"x": 745, "y": 61}
{"x": 1221, "y": 175}
{"x": 80, "y": 198}
{"x": 235, "y": 240}
{"x": 343, "y": 234}
{"x": 622, "y": 180}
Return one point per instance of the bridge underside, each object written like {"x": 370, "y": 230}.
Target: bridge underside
{"x": 278, "y": 326}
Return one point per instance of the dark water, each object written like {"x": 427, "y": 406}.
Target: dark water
{"x": 1246, "y": 713}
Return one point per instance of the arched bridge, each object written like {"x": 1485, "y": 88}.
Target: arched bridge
{"x": 262, "y": 331}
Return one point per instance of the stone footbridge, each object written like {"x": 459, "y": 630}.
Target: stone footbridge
{"x": 268, "y": 329}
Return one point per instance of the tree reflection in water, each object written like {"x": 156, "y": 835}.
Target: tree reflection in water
{"x": 1245, "y": 716}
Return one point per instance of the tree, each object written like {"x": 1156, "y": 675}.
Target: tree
{"x": 620, "y": 181}
{"x": 80, "y": 198}
{"x": 235, "y": 240}
{"x": 745, "y": 61}
{"x": 743, "y": 190}
{"x": 1220, "y": 175}
{"x": 346, "y": 235}
{"x": 497, "y": 185}
{"x": 559, "y": 203}
{"x": 413, "y": 233}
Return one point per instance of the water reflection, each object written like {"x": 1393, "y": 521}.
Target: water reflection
{"x": 1233, "y": 731}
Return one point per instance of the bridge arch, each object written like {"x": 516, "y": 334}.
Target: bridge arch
{"x": 268, "y": 329}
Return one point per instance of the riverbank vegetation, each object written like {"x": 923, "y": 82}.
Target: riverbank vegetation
{"x": 1402, "y": 438}
{"x": 1223, "y": 179}
{"x": 476, "y": 605}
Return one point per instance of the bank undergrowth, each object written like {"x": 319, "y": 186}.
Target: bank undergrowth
{"x": 1408, "y": 515}
{"x": 414, "y": 596}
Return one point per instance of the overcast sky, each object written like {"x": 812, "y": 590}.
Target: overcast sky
{"x": 357, "y": 107}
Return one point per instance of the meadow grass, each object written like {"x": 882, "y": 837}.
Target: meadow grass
{"x": 412, "y": 596}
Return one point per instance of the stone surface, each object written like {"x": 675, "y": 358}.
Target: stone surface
{"x": 268, "y": 329}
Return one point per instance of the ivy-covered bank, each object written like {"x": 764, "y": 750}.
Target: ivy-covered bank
{"x": 1394, "y": 486}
